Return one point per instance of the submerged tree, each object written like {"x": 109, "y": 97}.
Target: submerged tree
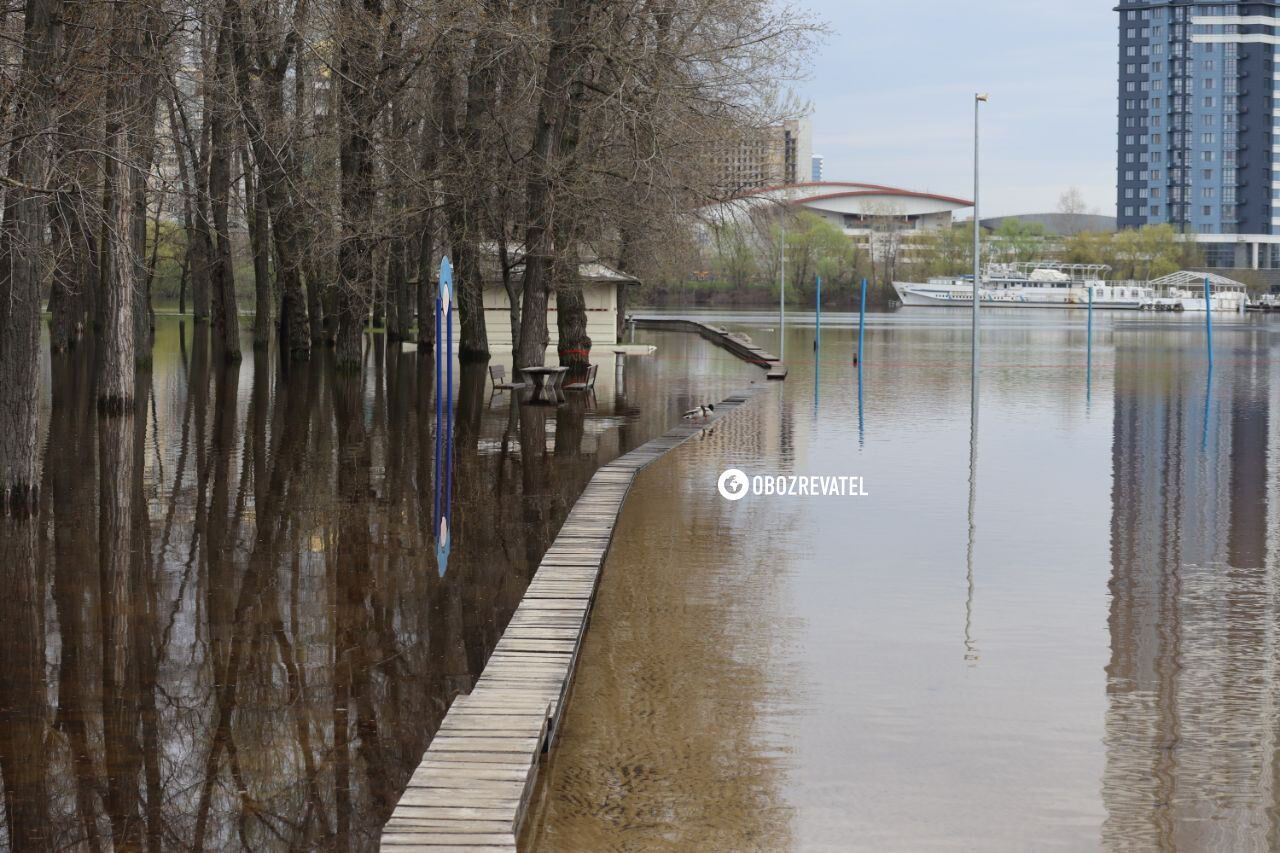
{"x": 21, "y": 256}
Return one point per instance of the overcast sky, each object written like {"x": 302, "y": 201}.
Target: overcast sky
{"x": 892, "y": 96}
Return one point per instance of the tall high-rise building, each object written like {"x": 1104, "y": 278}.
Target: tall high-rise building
{"x": 818, "y": 162}
{"x": 777, "y": 155}
{"x": 1197, "y": 109}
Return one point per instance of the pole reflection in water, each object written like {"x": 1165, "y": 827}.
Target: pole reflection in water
{"x": 1088, "y": 368}
{"x": 1208, "y": 410}
{"x": 970, "y": 647}
{"x": 223, "y": 631}
{"x": 862, "y": 428}
{"x": 817, "y": 376}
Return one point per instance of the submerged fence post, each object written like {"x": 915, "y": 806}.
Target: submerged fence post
{"x": 1208, "y": 320}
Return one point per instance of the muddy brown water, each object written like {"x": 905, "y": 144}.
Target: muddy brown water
{"x": 226, "y": 629}
{"x": 1060, "y": 631}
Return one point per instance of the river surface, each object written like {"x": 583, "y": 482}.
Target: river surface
{"x": 227, "y": 630}
{"x": 1052, "y": 626}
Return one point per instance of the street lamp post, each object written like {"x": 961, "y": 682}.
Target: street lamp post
{"x": 782, "y": 292}
{"x": 978, "y": 100}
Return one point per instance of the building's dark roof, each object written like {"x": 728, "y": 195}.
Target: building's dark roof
{"x": 1063, "y": 224}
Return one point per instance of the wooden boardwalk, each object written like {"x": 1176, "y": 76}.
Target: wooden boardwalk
{"x": 472, "y": 789}
{"x": 735, "y": 342}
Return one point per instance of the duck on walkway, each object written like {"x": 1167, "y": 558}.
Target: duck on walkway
{"x": 700, "y": 412}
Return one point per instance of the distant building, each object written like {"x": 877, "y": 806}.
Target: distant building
{"x": 1057, "y": 224}
{"x": 765, "y": 157}
{"x": 1196, "y": 126}
{"x": 818, "y": 161}
{"x": 871, "y": 215}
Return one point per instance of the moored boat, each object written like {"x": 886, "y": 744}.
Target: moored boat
{"x": 1035, "y": 285}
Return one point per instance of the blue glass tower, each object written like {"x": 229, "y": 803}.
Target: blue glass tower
{"x": 1196, "y": 115}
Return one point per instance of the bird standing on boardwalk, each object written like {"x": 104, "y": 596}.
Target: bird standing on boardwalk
{"x": 700, "y": 412}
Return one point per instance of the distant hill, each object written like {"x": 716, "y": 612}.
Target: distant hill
{"x": 1063, "y": 224}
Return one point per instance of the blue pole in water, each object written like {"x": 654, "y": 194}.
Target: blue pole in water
{"x": 448, "y": 437}
{"x": 1208, "y": 320}
{"x": 435, "y": 507}
{"x": 862, "y": 319}
{"x": 817, "y": 343}
{"x": 443, "y": 516}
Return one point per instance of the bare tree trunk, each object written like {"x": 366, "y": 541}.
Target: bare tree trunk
{"x": 194, "y": 181}
{"x": 567, "y": 19}
{"x": 442, "y": 104}
{"x": 474, "y": 170}
{"x": 142, "y": 145}
{"x": 396, "y": 282}
{"x": 379, "y": 299}
{"x": 116, "y": 378}
{"x": 473, "y": 340}
{"x": 574, "y": 345}
{"x": 115, "y": 589}
{"x": 357, "y": 111}
{"x": 256, "y": 205}
{"x": 21, "y": 253}
{"x": 73, "y": 298}
{"x": 182, "y": 283}
{"x": 275, "y": 198}
{"x": 24, "y": 735}
{"x": 399, "y": 310}
{"x": 511, "y": 287}
{"x": 116, "y": 265}
{"x": 226, "y": 319}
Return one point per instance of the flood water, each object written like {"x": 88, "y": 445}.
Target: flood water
{"x": 1052, "y": 627}
{"x": 226, "y": 628}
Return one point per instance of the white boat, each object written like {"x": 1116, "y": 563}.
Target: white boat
{"x": 1038, "y": 285}
{"x": 1186, "y": 289}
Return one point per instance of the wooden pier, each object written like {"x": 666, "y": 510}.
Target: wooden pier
{"x": 472, "y": 789}
{"x": 735, "y": 342}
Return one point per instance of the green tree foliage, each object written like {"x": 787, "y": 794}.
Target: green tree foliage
{"x": 817, "y": 247}
{"x": 735, "y": 261}
{"x": 1146, "y": 253}
{"x": 942, "y": 252}
{"x": 1016, "y": 241}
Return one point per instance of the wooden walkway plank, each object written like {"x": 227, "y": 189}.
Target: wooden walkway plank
{"x": 472, "y": 788}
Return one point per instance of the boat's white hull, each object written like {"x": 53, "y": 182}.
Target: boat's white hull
{"x": 1220, "y": 303}
{"x": 946, "y": 296}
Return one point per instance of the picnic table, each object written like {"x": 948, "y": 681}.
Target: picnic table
{"x": 544, "y": 383}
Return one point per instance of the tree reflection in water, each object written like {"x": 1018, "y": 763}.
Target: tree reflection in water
{"x": 225, "y": 629}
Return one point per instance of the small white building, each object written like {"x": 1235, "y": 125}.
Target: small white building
{"x": 603, "y": 288}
